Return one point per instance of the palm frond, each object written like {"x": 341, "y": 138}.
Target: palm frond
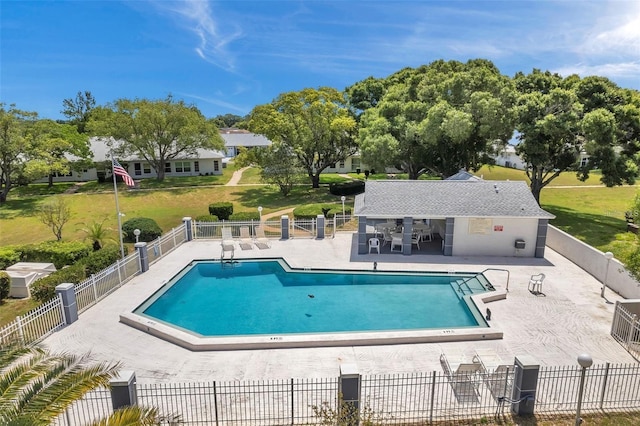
{"x": 135, "y": 415}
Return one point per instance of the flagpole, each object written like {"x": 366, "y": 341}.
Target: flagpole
{"x": 115, "y": 190}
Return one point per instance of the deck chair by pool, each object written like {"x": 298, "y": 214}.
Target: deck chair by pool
{"x": 535, "y": 284}
{"x": 261, "y": 241}
{"x": 496, "y": 374}
{"x": 246, "y": 243}
{"x": 462, "y": 378}
{"x": 374, "y": 244}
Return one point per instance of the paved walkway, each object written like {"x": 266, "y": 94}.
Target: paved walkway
{"x": 571, "y": 319}
{"x": 237, "y": 175}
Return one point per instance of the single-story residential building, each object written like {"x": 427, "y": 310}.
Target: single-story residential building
{"x": 236, "y": 138}
{"x": 465, "y": 217}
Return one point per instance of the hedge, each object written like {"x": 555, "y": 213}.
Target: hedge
{"x": 149, "y": 229}
{"x": 207, "y": 218}
{"x": 60, "y": 253}
{"x": 9, "y": 256}
{"x": 311, "y": 211}
{"x": 223, "y": 210}
{"x": 245, "y": 216}
{"x": 347, "y": 188}
{"x": 5, "y": 283}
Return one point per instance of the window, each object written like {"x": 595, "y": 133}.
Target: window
{"x": 196, "y": 166}
{"x": 137, "y": 169}
{"x": 584, "y": 161}
{"x": 167, "y": 167}
{"x": 146, "y": 168}
{"x": 216, "y": 165}
{"x": 183, "y": 166}
{"x": 342, "y": 164}
{"x": 355, "y": 164}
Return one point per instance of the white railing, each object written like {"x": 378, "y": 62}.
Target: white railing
{"x": 303, "y": 228}
{"x": 98, "y": 285}
{"x": 626, "y": 328}
{"x": 213, "y": 230}
{"x": 166, "y": 243}
{"x": 36, "y": 324}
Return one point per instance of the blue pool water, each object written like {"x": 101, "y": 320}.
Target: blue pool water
{"x": 267, "y": 297}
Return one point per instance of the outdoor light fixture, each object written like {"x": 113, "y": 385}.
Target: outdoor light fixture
{"x": 260, "y": 212}
{"x": 585, "y": 362}
{"x": 342, "y": 199}
{"x": 608, "y": 255}
{"x": 136, "y": 232}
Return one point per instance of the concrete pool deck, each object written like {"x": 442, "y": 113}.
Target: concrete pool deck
{"x": 571, "y": 318}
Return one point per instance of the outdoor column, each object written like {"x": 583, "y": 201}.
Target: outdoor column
{"x": 284, "y": 226}
{"x": 320, "y": 226}
{"x": 525, "y": 384}
{"x": 407, "y": 230}
{"x": 349, "y": 387}
{"x": 541, "y": 240}
{"x": 187, "y": 227}
{"x": 447, "y": 243}
{"x": 362, "y": 235}
{"x": 143, "y": 254}
{"x": 123, "y": 390}
{"x": 68, "y": 293}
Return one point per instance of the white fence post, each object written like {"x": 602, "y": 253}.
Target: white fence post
{"x": 93, "y": 286}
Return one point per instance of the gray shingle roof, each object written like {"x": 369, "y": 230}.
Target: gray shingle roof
{"x": 447, "y": 198}
{"x": 244, "y": 139}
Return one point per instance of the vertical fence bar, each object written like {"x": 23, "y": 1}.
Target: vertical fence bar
{"x": 604, "y": 384}
{"x": 20, "y": 331}
{"x": 215, "y": 401}
{"x": 433, "y": 395}
{"x": 292, "y": 402}
{"x": 93, "y": 286}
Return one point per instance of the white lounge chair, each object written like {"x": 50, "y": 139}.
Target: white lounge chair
{"x": 496, "y": 374}
{"x": 246, "y": 242}
{"x": 462, "y": 379}
{"x": 261, "y": 241}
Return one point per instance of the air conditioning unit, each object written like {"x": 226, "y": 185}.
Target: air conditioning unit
{"x": 519, "y": 244}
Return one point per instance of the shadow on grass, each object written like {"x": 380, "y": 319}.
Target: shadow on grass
{"x": 270, "y": 197}
{"x": 19, "y": 207}
{"x": 594, "y": 229}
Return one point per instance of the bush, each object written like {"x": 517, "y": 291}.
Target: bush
{"x": 5, "y": 283}
{"x": 8, "y": 256}
{"x": 223, "y": 210}
{"x": 149, "y": 229}
{"x": 347, "y": 188}
{"x": 245, "y": 216}
{"x": 207, "y": 218}
{"x": 311, "y": 211}
{"x": 60, "y": 253}
{"x": 101, "y": 259}
{"x": 44, "y": 289}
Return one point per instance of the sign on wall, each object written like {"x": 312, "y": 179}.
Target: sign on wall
{"x": 498, "y": 228}
{"x": 480, "y": 225}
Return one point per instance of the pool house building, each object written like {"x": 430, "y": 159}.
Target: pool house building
{"x": 451, "y": 217}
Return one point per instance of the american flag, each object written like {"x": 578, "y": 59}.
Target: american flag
{"x": 118, "y": 170}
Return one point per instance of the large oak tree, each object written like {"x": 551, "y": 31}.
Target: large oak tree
{"x": 156, "y": 130}
{"x": 314, "y": 123}
{"x": 15, "y": 144}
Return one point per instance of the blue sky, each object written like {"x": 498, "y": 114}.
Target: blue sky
{"x": 229, "y": 56}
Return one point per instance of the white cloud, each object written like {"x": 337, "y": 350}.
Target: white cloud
{"x": 217, "y": 102}
{"x": 198, "y": 17}
{"x": 611, "y": 70}
{"x": 618, "y": 35}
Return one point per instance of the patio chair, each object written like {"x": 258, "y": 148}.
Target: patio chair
{"x": 374, "y": 244}
{"x": 462, "y": 379}
{"x": 227, "y": 237}
{"x": 246, "y": 243}
{"x": 396, "y": 242}
{"x": 386, "y": 236}
{"x": 535, "y": 284}
{"x": 415, "y": 239}
{"x": 261, "y": 241}
{"x": 495, "y": 373}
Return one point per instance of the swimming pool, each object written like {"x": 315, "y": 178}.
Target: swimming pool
{"x": 265, "y": 300}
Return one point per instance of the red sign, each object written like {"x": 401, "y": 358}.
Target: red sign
{"x": 498, "y": 228}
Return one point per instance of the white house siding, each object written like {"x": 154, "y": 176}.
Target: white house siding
{"x": 186, "y": 167}
{"x": 500, "y": 239}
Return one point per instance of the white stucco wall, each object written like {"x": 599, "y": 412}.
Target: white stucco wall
{"x": 500, "y": 239}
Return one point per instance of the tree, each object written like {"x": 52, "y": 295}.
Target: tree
{"x": 79, "y": 110}
{"x": 227, "y": 120}
{"x": 157, "y": 131}
{"x": 14, "y": 144}
{"x": 56, "y": 149}
{"x": 55, "y": 214}
{"x": 279, "y": 166}
{"x": 98, "y": 233}
{"x": 314, "y": 123}
{"x": 437, "y": 118}
{"x": 37, "y": 386}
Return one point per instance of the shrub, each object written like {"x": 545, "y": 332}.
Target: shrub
{"x": 101, "y": 259}
{"x": 149, "y": 229}
{"x": 207, "y": 218}
{"x": 44, "y": 289}
{"x": 5, "y": 283}
{"x": 311, "y": 211}
{"x": 347, "y": 188}
{"x": 8, "y": 256}
{"x": 60, "y": 253}
{"x": 245, "y": 216}
{"x": 223, "y": 210}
